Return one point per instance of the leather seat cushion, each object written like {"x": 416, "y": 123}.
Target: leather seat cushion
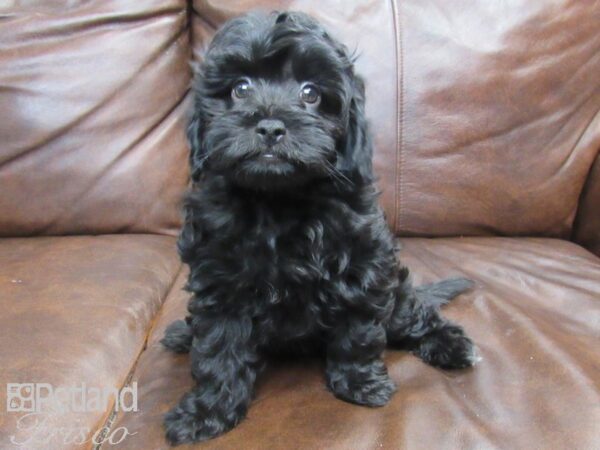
{"x": 76, "y": 310}
{"x": 534, "y": 314}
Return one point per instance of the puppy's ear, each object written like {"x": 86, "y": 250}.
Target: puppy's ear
{"x": 194, "y": 136}
{"x": 356, "y": 150}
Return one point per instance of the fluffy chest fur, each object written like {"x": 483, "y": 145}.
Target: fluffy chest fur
{"x": 285, "y": 259}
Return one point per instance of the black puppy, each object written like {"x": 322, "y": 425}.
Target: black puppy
{"x": 286, "y": 244}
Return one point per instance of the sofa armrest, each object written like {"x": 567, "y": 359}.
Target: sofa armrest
{"x": 586, "y": 230}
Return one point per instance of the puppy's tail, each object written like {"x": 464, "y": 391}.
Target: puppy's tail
{"x": 440, "y": 293}
{"x": 178, "y": 337}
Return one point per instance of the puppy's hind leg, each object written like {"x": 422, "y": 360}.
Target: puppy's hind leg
{"x": 417, "y": 325}
{"x": 178, "y": 336}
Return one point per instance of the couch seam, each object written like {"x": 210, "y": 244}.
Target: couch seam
{"x": 203, "y": 18}
{"x": 399, "y": 50}
{"x": 576, "y": 218}
{"x": 189, "y": 10}
{"x": 111, "y": 416}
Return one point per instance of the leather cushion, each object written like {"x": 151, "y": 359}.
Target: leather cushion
{"x": 92, "y": 106}
{"x": 76, "y": 310}
{"x": 534, "y": 315}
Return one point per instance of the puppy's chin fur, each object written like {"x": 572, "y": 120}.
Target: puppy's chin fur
{"x": 269, "y": 175}
{"x": 292, "y": 254}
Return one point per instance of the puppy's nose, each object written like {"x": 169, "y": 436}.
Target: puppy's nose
{"x": 270, "y": 130}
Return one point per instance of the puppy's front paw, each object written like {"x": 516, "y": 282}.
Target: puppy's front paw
{"x": 178, "y": 337}
{"x": 370, "y": 386}
{"x": 448, "y": 348}
{"x": 185, "y": 423}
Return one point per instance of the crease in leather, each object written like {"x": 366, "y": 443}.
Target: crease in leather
{"x": 399, "y": 50}
{"x": 189, "y": 12}
{"x": 107, "y": 420}
{"x": 569, "y": 116}
{"x": 593, "y": 57}
{"x": 563, "y": 117}
{"x": 577, "y": 218}
{"x": 202, "y": 17}
{"x": 467, "y": 413}
{"x": 581, "y": 227}
{"x": 535, "y": 325}
{"x": 93, "y": 181}
{"x": 93, "y": 23}
{"x": 156, "y": 54}
{"x": 576, "y": 144}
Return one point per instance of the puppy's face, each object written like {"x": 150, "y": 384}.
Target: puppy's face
{"x": 277, "y": 104}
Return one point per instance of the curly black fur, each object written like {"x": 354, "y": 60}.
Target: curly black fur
{"x": 287, "y": 247}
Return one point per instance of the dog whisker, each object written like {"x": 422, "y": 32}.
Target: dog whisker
{"x": 335, "y": 172}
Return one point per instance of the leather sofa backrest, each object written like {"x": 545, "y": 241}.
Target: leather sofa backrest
{"x": 484, "y": 113}
{"x": 92, "y": 111}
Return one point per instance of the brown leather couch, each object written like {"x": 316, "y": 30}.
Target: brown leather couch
{"x": 487, "y": 126}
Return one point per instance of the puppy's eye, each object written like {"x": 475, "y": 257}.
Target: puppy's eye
{"x": 310, "y": 93}
{"x": 241, "y": 88}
